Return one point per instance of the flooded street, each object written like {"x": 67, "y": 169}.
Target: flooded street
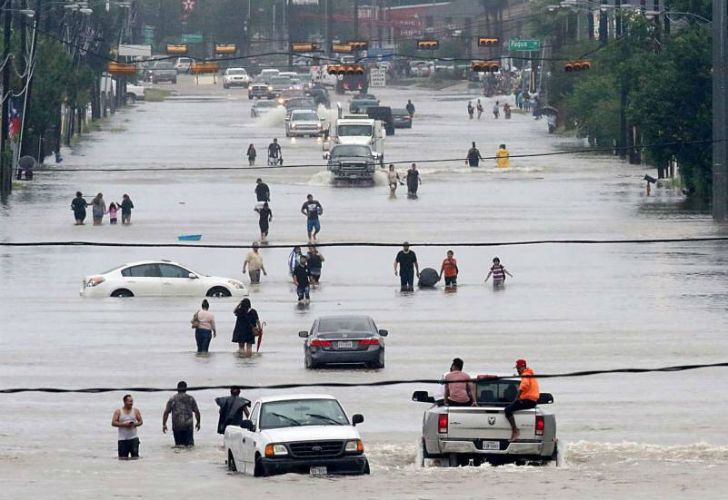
{"x": 567, "y": 308}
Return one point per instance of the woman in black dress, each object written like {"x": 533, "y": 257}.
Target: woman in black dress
{"x": 247, "y": 320}
{"x": 266, "y": 216}
{"x": 78, "y": 205}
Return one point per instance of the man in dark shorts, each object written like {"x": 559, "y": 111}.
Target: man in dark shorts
{"x": 302, "y": 279}
{"x": 408, "y": 267}
{"x": 528, "y": 394}
{"x": 127, "y": 419}
{"x": 450, "y": 269}
{"x": 182, "y": 406}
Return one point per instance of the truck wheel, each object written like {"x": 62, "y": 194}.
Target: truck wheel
{"x": 452, "y": 459}
{"x": 259, "y": 470}
{"x": 231, "y": 462}
{"x": 557, "y": 458}
{"x": 366, "y": 470}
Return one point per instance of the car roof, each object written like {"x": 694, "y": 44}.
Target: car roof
{"x": 293, "y": 397}
{"x": 141, "y": 262}
{"x": 346, "y": 316}
{"x": 400, "y": 111}
{"x": 509, "y": 377}
{"x": 237, "y": 69}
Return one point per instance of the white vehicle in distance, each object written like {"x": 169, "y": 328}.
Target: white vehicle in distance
{"x": 296, "y": 433}
{"x": 304, "y": 122}
{"x": 153, "y": 278}
{"x": 235, "y": 77}
{"x": 267, "y": 74}
{"x": 183, "y": 64}
{"x": 261, "y": 108}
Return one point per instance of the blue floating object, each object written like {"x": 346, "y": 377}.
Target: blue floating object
{"x": 189, "y": 237}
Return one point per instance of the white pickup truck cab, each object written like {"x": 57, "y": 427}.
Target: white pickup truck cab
{"x": 455, "y": 435}
{"x": 296, "y": 433}
{"x": 359, "y": 130}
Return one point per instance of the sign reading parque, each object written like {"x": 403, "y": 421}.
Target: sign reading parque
{"x": 524, "y": 45}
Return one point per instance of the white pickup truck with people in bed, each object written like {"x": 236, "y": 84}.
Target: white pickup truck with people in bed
{"x": 477, "y": 429}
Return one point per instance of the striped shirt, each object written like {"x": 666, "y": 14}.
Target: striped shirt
{"x": 499, "y": 272}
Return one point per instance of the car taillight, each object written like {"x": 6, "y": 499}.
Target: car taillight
{"x": 540, "y": 425}
{"x": 320, "y": 343}
{"x": 369, "y": 342}
{"x": 442, "y": 423}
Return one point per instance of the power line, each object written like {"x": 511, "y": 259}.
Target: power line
{"x": 381, "y": 244}
{"x": 380, "y": 383}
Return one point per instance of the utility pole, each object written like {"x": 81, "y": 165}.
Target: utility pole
{"x": 290, "y": 38}
{"x": 603, "y": 25}
{"x": 356, "y": 19}
{"x": 720, "y": 112}
{"x": 6, "y": 167}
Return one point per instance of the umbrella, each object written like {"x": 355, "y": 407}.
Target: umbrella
{"x": 549, "y": 110}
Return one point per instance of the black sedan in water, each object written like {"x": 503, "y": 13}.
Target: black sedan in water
{"x": 344, "y": 340}
{"x": 401, "y": 118}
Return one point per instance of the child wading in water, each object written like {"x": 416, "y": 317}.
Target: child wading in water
{"x": 113, "y": 210}
{"x": 498, "y": 272}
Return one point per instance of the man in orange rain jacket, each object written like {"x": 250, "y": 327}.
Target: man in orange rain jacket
{"x": 528, "y": 394}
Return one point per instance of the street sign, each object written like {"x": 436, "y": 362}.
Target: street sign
{"x": 377, "y": 77}
{"x": 524, "y": 45}
{"x": 148, "y": 32}
{"x": 192, "y": 38}
{"x": 135, "y": 50}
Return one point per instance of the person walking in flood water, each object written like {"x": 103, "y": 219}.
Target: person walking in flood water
{"x": 251, "y": 153}
{"x": 413, "y": 181}
{"x": 232, "y": 409}
{"x": 498, "y": 272}
{"x": 98, "y": 209}
{"x": 183, "y": 408}
{"x": 407, "y": 261}
{"x": 502, "y": 157}
{"x": 254, "y": 264}
{"x": 126, "y": 206}
{"x": 78, "y": 205}
{"x": 473, "y": 157}
{"x": 479, "y": 107}
{"x": 449, "y": 269}
{"x": 265, "y": 217}
{"x": 127, "y": 419}
{"x": 471, "y": 110}
{"x": 204, "y": 324}
{"x": 247, "y": 324}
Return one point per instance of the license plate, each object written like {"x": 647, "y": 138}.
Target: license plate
{"x": 345, "y": 345}
{"x": 490, "y": 445}
{"x": 319, "y": 471}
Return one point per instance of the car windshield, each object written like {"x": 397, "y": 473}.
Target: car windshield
{"x": 356, "y": 130}
{"x": 496, "y": 390}
{"x": 164, "y": 65}
{"x": 305, "y": 116}
{"x": 280, "y": 80}
{"x": 400, "y": 112}
{"x": 301, "y": 412}
{"x": 237, "y": 72}
{"x": 266, "y": 104}
{"x": 350, "y": 150}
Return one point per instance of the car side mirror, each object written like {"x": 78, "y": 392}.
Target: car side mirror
{"x": 422, "y": 397}
{"x": 323, "y": 118}
{"x": 192, "y": 276}
{"x": 383, "y": 333}
{"x": 357, "y": 419}
{"x": 248, "y": 425}
{"x": 545, "y": 399}
{"x": 303, "y": 334}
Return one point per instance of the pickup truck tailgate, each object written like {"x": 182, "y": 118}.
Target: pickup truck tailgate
{"x": 488, "y": 423}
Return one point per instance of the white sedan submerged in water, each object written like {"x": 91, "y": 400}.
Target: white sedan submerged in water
{"x": 296, "y": 433}
{"x": 159, "y": 278}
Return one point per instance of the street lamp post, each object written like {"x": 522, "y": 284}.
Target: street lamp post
{"x": 720, "y": 111}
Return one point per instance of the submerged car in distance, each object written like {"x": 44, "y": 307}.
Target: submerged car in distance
{"x": 159, "y": 278}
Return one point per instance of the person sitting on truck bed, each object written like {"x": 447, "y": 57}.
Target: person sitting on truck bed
{"x": 459, "y": 389}
{"x": 528, "y": 394}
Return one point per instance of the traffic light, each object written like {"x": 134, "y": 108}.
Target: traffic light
{"x": 488, "y": 41}
{"x": 358, "y": 45}
{"x": 345, "y": 69}
{"x": 485, "y": 66}
{"x": 580, "y": 65}
{"x": 428, "y": 44}
{"x": 304, "y": 47}
{"x": 341, "y": 48}
{"x": 225, "y": 48}
{"x": 116, "y": 68}
{"x": 176, "y": 48}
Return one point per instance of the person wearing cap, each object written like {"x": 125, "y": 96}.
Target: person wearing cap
{"x": 528, "y": 394}
{"x": 254, "y": 264}
{"x": 183, "y": 408}
{"x": 408, "y": 267}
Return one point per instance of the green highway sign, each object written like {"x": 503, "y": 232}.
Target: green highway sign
{"x": 524, "y": 45}
{"x": 192, "y": 38}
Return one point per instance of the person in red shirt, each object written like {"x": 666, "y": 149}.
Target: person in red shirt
{"x": 528, "y": 394}
{"x": 450, "y": 269}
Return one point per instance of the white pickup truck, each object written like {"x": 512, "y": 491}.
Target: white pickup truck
{"x": 358, "y": 130}
{"x": 455, "y": 435}
{"x": 296, "y": 433}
